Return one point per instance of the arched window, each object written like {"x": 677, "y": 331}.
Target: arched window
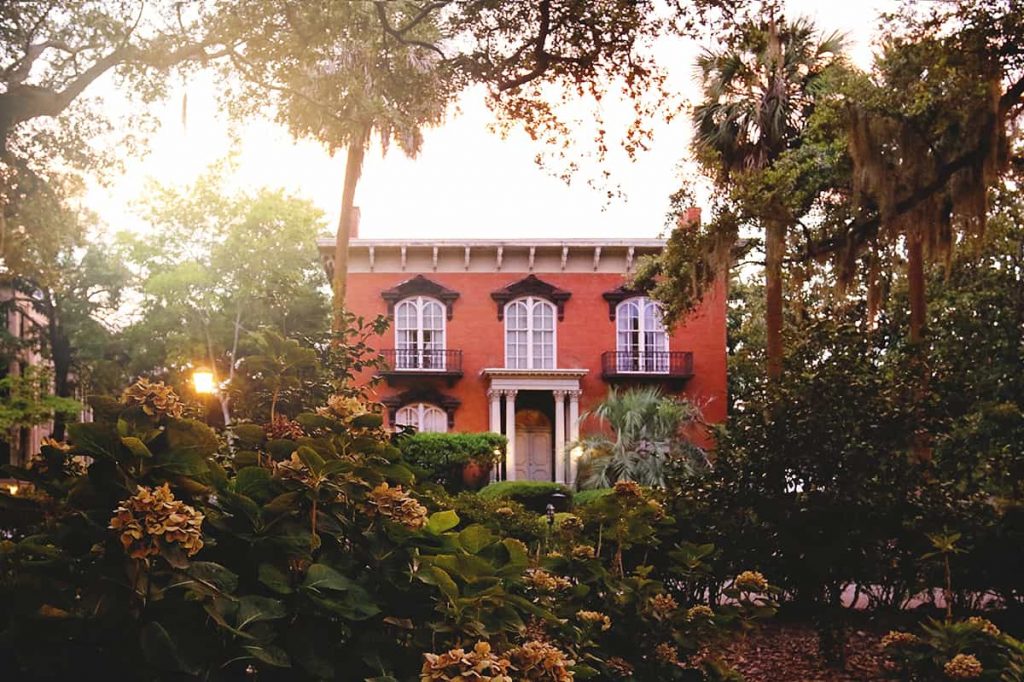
{"x": 530, "y": 334}
{"x": 424, "y": 417}
{"x": 419, "y": 334}
{"x": 641, "y": 342}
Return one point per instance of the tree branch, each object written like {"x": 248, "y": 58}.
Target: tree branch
{"x": 399, "y": 34}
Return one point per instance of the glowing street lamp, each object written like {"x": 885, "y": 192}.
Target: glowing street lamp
{"x": 202, "y": 382}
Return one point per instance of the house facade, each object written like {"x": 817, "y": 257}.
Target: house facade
{"x": 522, "y": 336}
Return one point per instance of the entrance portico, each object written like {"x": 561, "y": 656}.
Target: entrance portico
{"x": 563, "y": 385}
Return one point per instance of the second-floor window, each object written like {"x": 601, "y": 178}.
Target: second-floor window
{"x": 641, "y": 341}
{"x": 530, "y": 334}
{"x": 419, "y": 334}
{"x": 424, "y": 417}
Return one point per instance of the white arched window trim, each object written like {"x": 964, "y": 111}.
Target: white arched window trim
{"x": 420, "y": 333}
{"x": 640, "y": 337}
{"x": 424, "y": 417}
{"x": 531, "y": 334}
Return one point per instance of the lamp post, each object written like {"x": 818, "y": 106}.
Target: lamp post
{"x": 204, "y": 385}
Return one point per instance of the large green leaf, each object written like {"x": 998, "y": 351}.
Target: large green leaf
{"x": 274, "y": 578}
{"x": 95, "y": 440}
{"x": 475, "y": 538}
{"x": 323, "y": 577}
{"x": 213, "y": 574}
{"x": 253, "y": 608}
{"x": 161, "y": 651}
{"x": 255, "y": 482}
{"x": 441, "y": 521}
{"x": 270, "y": 654}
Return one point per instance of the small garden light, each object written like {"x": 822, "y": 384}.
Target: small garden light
{"x": 12, "y": 488}
{"x": 202, "y": 382}
{"x": 550, "y": 511}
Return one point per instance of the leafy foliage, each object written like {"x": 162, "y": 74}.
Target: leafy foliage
{"x": 649, "y": 437}
{"x": 439, "y": 457}
{"x": 151, "y": 549}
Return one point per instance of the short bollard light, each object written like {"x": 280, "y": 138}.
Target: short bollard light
{"x": 550, "y": 511}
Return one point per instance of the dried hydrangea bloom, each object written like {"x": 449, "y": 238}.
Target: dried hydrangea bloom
{"x": 343, "y": 407}
{"x": 619, "y": 667}
{"x": 152, "y": 520}
{"x": 985, "y": 625}
{"x": 751, "y": 581}
{"x": 571, "y": 522}
{"x": 283, "y": 428}
{"x": 294, "y": 468}
{"x": 56, "y": 444}
{"x": 480, "y": 665}
{"x": 628, "y": 489}
{"x": 504, "y": 511}
{"x": 666, "y": 654}
{"x": 155, "y": 398}
{"x": 542, "y": 581}
{"x": 699, "y": 612}
{"x": 541, "y": 662}
{"x": 595, "y": 618}
{"x": 899, "y": 638}
{"x": 397, "y": 505}
{"x": 662, "y": 606}
{"x": 583, "y": 552}
{"x": 963, "y": 667}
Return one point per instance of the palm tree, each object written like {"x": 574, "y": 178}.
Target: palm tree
{"x": 647, "y": 435}
{"x": 758, "y": 91}
{"x": 343, "y": 73}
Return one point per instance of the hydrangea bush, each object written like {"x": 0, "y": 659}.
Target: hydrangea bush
{"x": 306, "y": 549}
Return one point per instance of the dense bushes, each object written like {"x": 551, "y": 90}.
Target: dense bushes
{"x": 439, "y": 457}
{"x": 534, "y": 495}
{"x": 152, "y": 550}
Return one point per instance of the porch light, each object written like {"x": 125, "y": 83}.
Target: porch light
{"x": 202, "y": 382}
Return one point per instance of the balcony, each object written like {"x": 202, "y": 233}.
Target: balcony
{"x": 673, "y": 367}
{"x": 420, "y": 364}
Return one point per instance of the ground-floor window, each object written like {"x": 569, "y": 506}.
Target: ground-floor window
{"x": 424, "y": 417}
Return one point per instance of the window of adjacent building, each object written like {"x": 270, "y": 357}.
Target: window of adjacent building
{"x": 424, "y": 417}
{"x": 419, "y": 334}
{"x": 641, "y": 342}
{"x": 530, "y": 334}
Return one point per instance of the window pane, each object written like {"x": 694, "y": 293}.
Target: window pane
{"x": 434, "y": 420}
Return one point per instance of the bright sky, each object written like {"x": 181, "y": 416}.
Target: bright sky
{"x": 467, "y": 181}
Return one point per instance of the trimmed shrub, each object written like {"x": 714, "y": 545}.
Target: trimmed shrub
{"x": 584, "y": 497}
{"x": 534, "y": 495}
{"x": 439, "y": 457}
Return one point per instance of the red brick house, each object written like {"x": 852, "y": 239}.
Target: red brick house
{"x": 522, "y": 336}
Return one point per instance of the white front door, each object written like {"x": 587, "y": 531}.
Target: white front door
{"x": 533, "y": 455}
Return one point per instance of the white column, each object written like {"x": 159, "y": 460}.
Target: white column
{"x": 574, "y": 434}
{"x": 495, "y": 399}
{"x": 510, "y": 434}
{"x": 559, "y": 436}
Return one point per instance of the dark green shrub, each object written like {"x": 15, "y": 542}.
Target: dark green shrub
{"x": 534, "y": 495}
{"x": 439, "y": 457}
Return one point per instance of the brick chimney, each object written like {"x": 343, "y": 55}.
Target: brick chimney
{"x": 354, "y": 228}
{"x": 689, "y": 218}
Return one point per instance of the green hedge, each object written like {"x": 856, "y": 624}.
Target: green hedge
{"x": 585, "y": 497}
{"x": 440, "y": 456}
{"x": 534, "y": 495}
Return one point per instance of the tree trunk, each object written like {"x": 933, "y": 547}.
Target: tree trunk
{"x": 918, "y": 313}
{"x": 62, "y": 356}
{"x": 775, "y": 247}
{"x": 353, "y": 169}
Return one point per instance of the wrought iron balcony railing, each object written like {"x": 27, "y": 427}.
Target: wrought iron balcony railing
{"x": 417, "y": 361}
{"x": 625, "y": 365}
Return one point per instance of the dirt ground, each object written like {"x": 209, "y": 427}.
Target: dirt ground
{"x": 789, "y": 653}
